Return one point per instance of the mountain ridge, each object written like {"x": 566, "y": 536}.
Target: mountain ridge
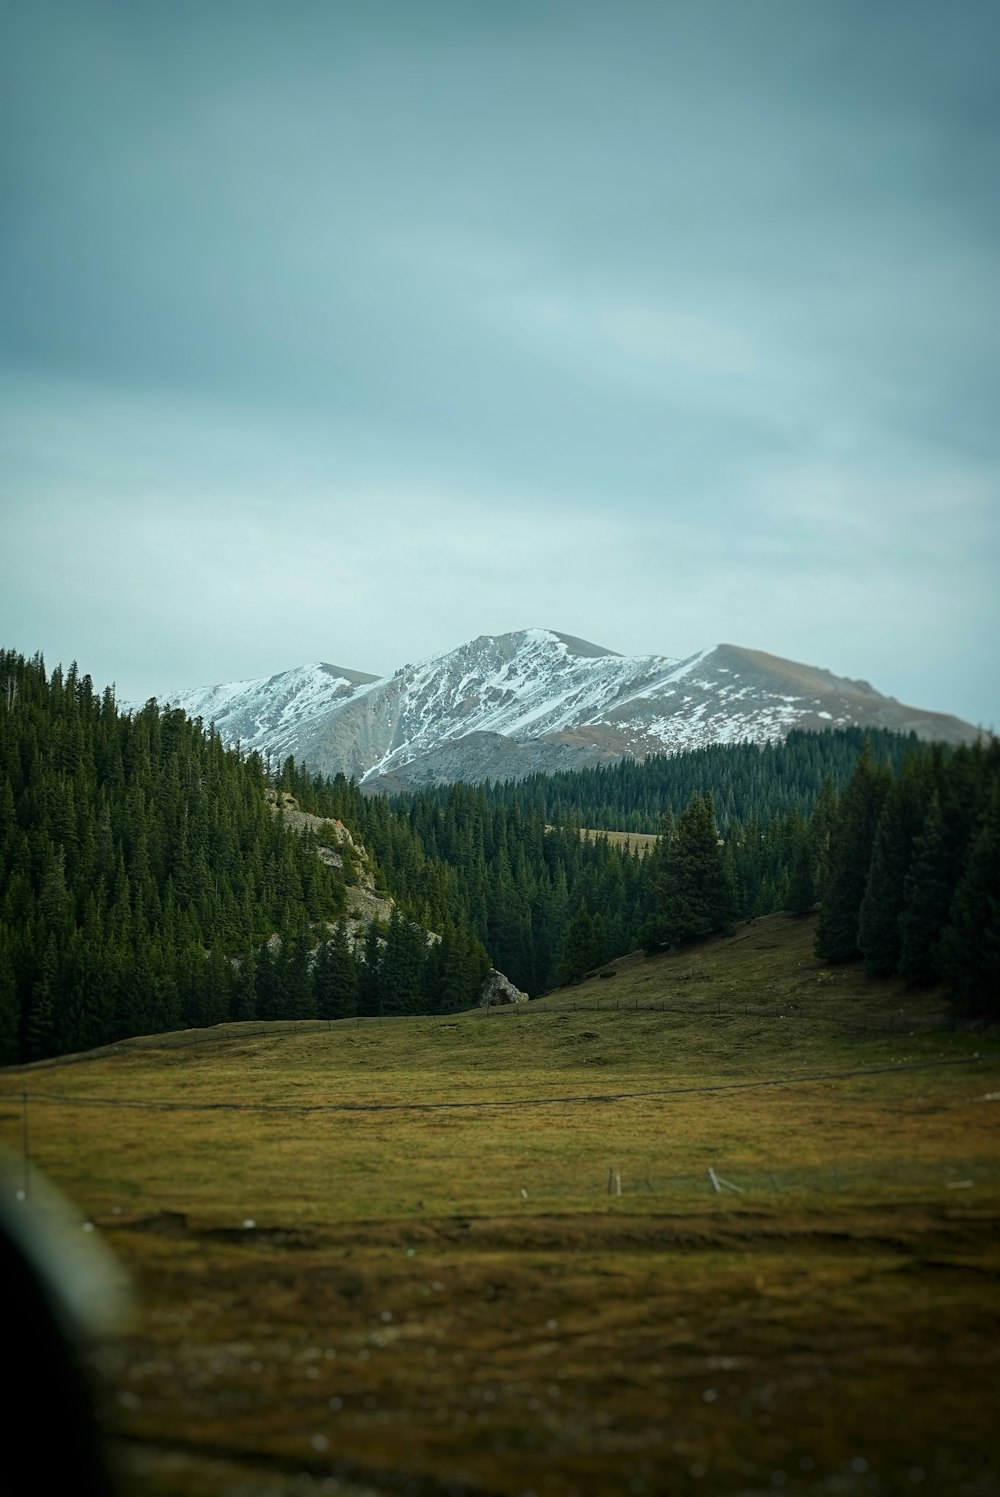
{"x": 505, "y": 705}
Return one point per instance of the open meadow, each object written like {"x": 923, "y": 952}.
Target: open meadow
{"x": 723, "y": 1221}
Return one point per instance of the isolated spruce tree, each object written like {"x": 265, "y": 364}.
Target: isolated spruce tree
{"x": 697, "y": 890}
{"x": 851, "y": 847}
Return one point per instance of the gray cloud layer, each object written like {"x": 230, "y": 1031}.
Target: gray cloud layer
{"x": 349, "y": 332}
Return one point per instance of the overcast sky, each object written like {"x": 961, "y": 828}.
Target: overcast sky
{"x": 347, "y": 332}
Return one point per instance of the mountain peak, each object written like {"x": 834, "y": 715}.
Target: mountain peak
{"x": 582, "y": 647}
{"x": 505, "y": 705}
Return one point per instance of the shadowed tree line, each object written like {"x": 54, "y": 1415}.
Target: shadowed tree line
{"x": 913, "y": 873}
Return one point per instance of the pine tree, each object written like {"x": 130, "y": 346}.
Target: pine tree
{"x": 336, "y": 977}
{"x": 899, "y": 823}
{"x": 41, "y": 1035}
{"x": 9, "y": 1007}
{"x": 927, "y": 893}
{"x": 970, "y": 943}
{"x": 801, "y": 896}
{"x": 370, "y": 973}
{"x": 697, "y": 891}
{"x": 581, "y": 948}
{"x": 851, "y": 847}
{"x": 402, "y": 965}
{"x": 243, "y": 997}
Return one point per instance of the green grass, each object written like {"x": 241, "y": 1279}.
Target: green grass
{"x": 435, "y": 1247}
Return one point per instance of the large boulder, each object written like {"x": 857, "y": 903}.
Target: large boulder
{"x": 497, "y": 989}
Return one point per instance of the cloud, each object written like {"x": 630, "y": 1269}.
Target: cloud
{"x": 364, "y": 332}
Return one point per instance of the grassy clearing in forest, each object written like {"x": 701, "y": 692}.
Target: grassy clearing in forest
{"x": 438, "y": 1292}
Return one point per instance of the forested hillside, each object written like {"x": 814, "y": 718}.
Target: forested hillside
{"x": 745, "y": 779}
{"x": 138, "y": 858}
{"x": 147, "y": 884}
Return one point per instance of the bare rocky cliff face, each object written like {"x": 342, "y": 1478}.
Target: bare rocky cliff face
{"x": 365, "y": 902}
{"x": 503, "y": 706}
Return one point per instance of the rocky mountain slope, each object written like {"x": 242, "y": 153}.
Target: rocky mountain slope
{"x": 337, "y": 848}
{"x": 502, "y": 706}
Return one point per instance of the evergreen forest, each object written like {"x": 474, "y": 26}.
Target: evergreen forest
{"x": 631, "y": 795}
{"x": 148, "y": 883}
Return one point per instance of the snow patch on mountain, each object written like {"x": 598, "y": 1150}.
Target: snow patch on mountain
{"x": 268, "y": 714}
{"x": 544, "y": 694}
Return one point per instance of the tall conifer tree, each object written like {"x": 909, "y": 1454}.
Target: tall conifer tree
{"x": 851, "y": 846}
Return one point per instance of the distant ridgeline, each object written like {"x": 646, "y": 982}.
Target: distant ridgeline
{"x": 145, "y": 884}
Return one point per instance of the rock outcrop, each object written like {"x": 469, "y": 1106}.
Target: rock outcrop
{"x": 497, "y": 989}
{"x": 338, "y": 849}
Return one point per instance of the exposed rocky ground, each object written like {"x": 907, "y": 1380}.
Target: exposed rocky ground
{"x": 365, "y": 901}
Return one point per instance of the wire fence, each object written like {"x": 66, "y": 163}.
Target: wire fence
{"x": 952, "y": 1178}
{"x": 856, "y": 1021}
{"x": 784, "y": 1081}
{"x": 734, "y": 1183}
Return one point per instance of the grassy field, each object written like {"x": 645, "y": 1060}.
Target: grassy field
{"x": 394, "y": 1257}
{"x": 643, "y": 841}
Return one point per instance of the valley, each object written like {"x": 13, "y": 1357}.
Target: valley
{"x": 392, "y": 1257}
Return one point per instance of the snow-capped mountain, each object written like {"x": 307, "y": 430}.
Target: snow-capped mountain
{"x": 270, "y": 714}
{"x": 502, "y": 706}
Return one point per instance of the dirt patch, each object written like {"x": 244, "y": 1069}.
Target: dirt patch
{"x": 176, "y": 1225}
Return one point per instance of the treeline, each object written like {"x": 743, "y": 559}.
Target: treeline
{"x": 146, "y": 884}
{"x": 399, "y": 968}
{"x": 550, "y": 902}
{"x": 744, "y": 779}
{"x": 904, "y": 863}
{"x": 454, "y": 864}
{"x": 139, "y": 859}
{"x": 913, "y": 881}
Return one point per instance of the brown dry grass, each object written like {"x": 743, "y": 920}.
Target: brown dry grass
{"x": 644, "y": 842}
{"x": 401, "y": 1317}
